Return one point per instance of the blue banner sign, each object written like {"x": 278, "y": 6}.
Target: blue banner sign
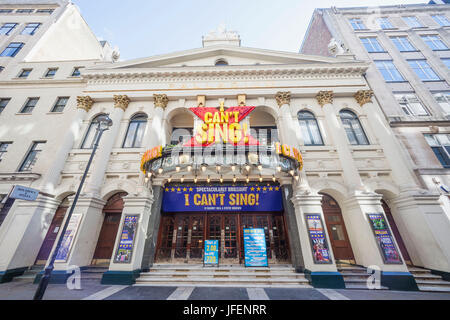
{"x": 222, "y": 198}
{"x": 255, "y": 249}
{"x": 24, "y": 193}
{"x": 211, "y": 255}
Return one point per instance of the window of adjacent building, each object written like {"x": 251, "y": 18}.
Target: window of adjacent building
{"x": 24, "y": 10}
{"x": 31, "y": 28}
{"x": 3, "y": 147}
{"x": 51, "y": 72}
{"x": 403, "y": 44}
{"x": 443, "y": 99}
{"x": 353, "y": 128}
{"x": 412, "y": 22}
{"x": 24, "y": 73}
{"x": 89, "y": 138}
{"x": 12, "y": 50}
{"x": 372, "y": 45}
{"x": 423, "y": 70}
{"x": 385, "y": 23}
{"x": 441, "y": 20}
{"x": 7, "y": 28}
{"x": 410, "y": 104}
{"x": 389, "y": 71}
{"x": 2, "y": 68}
{"x": 446, "y": 61}
{"x": 3, "y": 103}
{"x": 310, "y": 129}
{"x": 49, "y": 11}
{"x": 60, "y": 104}
{"x": 32, "y": 156}
{"x": 29, "y": 105}
{"x": 440, "y": 144}
{"x": 76, "y": 72}
{"x": 135, "y": 132}
{"x": 6, "y": 10}
{"x": 434, "y": 42}
{"x": 357, "y": 24}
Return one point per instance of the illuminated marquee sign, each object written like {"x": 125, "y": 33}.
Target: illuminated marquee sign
{"x": 150, "y": 155}
{"x": 222, "y": 126}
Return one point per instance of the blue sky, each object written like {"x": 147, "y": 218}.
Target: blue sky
{"x": 142, "y": 28}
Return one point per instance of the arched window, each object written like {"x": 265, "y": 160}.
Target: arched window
{"x": 221, "y": 62}
{"x": 135, "y": 132}
{"x": 88, "y": 142}
{"x": 310, "y": 129}
{"x": 353, "y": 128}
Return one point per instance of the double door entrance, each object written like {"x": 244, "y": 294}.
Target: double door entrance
{"x": 181, "y": 236}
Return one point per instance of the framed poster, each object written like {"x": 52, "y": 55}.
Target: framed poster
{"x": 69, "y": 237}
{"x": 317, "y": 236}
{"x": 211, "y": 255}
{"x": 255, "y": 250}
{"x": 385, "y": 241}
{"x": 125, "y": 248}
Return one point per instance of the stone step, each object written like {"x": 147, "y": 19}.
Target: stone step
{"x": 227, "y": 285}
{"x": 221, "y": 268}
{"x": 431, "y": 283}
{"x": 434, "y": 289}
{"x": 248, "y": 275}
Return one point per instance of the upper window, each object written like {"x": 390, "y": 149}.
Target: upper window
{"x": 310, "y": 129}
{"x": 6, "y": 10}
{"x": 442, "y": 20}
{"x": 24, "y": 73}
{"x": 434, "y": 42}
{"x": 32, "y": 156}
{"x": 385, "y": 23}
{"x": 7, "y": 28}
{"x": 3, "y": 147}
{"x": 423, "y": 70}
{"x": 357, "y": 24}
{"x": 440, "y": 143}
{"x": 389, "y": 71}
{"x": 89, "y": 139}
{"x": 181, "y": 135}
{"x": 266, "y": 135}
{"x": 372, "y": 45}
{"x": 353, "y": 128}
{"x": 51, "y": 72}
{"x": 24, "y": 10}
{"x": 3, "y": 103}
{"x": 403, "y": 44}
{"x": 31, "y": 28}
{"x": 60, "y": 104}
{"x": 410, "y": 104}
{"x": 446, "y": 61}
{"x": 221, "y": 62}
{"x": 76, "y": 72}
{"x": 413, "y": 22}
{"x": 135, "y": 132}
{"x": 443, "y": 98}
{"x": 49, "y": 11}
{"x": 12, "y": 49}
{"x": 29, "y": 106}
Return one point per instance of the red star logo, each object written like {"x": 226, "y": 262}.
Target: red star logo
{"x": 242, "y": 113}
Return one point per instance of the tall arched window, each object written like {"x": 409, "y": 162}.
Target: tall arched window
{"x": 310, "y": 129}
{"x": 353, "y": 128}
{"x": 135, "y": 132}
{"x": 88, "y": 142}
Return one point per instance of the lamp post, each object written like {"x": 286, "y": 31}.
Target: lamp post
{"x": 104, "y": 122}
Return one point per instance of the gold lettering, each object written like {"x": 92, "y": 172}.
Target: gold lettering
{"x": 197, "y": 199}
{"x": 221, "y": 133}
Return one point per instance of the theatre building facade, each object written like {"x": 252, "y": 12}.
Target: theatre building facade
{"x": 219, "y": 143}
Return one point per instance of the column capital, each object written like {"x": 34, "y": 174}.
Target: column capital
{"x": 161, "y": 100}
{"x": 85, "y": 103}
{"x": 363, "y": 97}
{"x": 325, "y": 97}
{"x": 121, "y": 101}
{"x": 283, "y": 97}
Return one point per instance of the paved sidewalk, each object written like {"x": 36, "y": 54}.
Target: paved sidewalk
{"x": 93, "y": 290}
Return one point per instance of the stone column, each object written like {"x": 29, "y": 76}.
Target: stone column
{"x": 105, "y": 146}
{"x": 156, "y": 133}
{"x": 51, "y": 178}
{"x": 336, "y": 130}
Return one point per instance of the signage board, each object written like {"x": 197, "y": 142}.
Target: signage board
{"x": 211, "y": 254}
{"x": 255, "y": 250}
{"x": 319, "y": 244}
{"x": 384, "y": 239}
{"x": 222, "y": 198}
{"x": 69, "y": 237}
{"x": 24, "y": 193}
{"x": 126, "y": 243}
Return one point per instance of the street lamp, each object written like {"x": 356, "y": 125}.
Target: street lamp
{"x": 104, "y": 122}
